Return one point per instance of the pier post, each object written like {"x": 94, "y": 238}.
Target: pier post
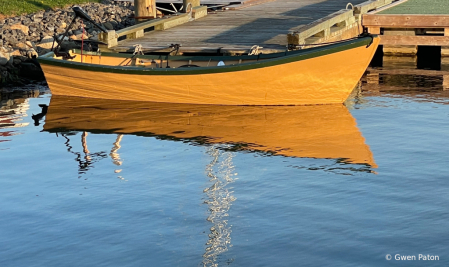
{"x": 185, "y": 3}
{"x": 445, "y": 49}
{"x": 109, "y": 38}
{"x": 144, "y": 10}
{"x": 405, "y": 50}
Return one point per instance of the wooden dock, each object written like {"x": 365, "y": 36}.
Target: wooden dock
{"x": 407, "y": 24}
{"x": 277, "y": 25}
{"x": 235, "y": 31}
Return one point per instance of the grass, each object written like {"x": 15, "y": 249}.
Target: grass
{"x": 19, "y": 7}
{"x": 427, "y": 7}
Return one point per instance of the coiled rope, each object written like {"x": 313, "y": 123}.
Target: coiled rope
{"x": 254, "y": 50}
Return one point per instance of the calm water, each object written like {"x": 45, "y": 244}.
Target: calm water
{"x": 114, "y": 185}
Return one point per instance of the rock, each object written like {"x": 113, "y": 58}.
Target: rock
{"x": 35, "y": 18}
{"x": 16, "y": 52}
{"x": 60, "y": 30}
{"x": 31, "y": 71}
{"x": 81, "y": 36}
{"x": 65, "y": 38}
{"x": 114, "y": 24}
{"x": 21, "y": 45}
{"x": 17, "y": 61}
{"x": 20, "y": 27}
{"x": 46, "y": 42}
{"x": 22, "y": 32}
{"x": 5, "y": 56}
{"x": 31, "y": 53}
{"x": 108, "y": 26}
{"x": 31, "y": 45}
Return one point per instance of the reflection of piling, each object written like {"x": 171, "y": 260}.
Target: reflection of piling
{"x": 84, "y": 144}
{"x": 407, "y": 81}
{"x": 114, "y": 154}
{"x": 446, "y": 82}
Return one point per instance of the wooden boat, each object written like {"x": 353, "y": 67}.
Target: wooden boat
{"x": 316, "y": 131}
{"x": 320, "y": 75}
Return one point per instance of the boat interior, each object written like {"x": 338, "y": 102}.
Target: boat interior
{"x": 165, "y": 60}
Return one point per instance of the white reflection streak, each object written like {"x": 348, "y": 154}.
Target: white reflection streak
{"x": 220, "y": 172}
{"x": 115, "y": 156}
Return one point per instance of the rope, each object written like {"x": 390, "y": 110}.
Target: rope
{"x": 190, "y": 12}
{"x": 254, "y": 50}
{"x": 349, "y": 4}
{"x": 138, "y": 49}
{"x": 82, "y": 41}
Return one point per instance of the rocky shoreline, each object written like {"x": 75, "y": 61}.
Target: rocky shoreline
{"x": 27, "y": 36}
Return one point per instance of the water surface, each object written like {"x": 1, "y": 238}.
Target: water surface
{"x": 98, "y": 184}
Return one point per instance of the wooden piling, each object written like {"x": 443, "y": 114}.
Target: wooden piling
{"x": 189, "y": 4}
{"x": 144, "y": 9}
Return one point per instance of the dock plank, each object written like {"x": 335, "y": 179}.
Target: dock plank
{"x": 406, "y": 21}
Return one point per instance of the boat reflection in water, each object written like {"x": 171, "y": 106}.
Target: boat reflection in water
{"x": 322, "y": 131}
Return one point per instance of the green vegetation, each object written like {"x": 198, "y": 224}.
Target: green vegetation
{"x": 19, "y": 7}
{"x": 427, "y": 7}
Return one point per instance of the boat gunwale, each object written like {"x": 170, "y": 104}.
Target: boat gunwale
{"x": 292, "y": 56}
